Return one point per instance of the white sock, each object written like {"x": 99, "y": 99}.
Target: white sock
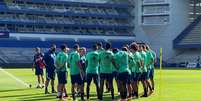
{"x": 64, "y": 94}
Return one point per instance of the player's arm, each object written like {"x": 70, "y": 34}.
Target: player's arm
{"x": 69, "y": 61}
{"x": 33, "y": 65}
{"x": 114, "y": 64}
{"x": 79, "y": 65}
{"x": 151, "y": 60}
{"x": 141, "y": 63}
{"x": 43, "y": 56}
{"x": 81, "y": 69}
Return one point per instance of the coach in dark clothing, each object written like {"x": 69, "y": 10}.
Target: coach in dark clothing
{"x": 49, "y": 58}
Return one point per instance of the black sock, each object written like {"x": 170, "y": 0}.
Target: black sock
{"x": 124, "y": 95}
{"x": 112, "y": 93}
{"x": 73, "y": 95}
{"x": 88, "y": 92}
{"x": 145, "y": 91}
{"x": 130, "y": 95}
{"x": 150, "y": 88}
{"x": 136, "y": 94}
{"x": 53, "y": 89}
{"x": 82, "y": 96}
{"x": 46, "y": 90}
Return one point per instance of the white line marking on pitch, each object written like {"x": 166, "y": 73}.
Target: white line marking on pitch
{"x": 14, "y": 77}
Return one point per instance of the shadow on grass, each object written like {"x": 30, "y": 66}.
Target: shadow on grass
{"x": 38, "y": 99}
{"x": 40, "y": 96}
{"x": 93, "y": 97}
{"x": 20, "y": 95}
{"x": 11, "y": 90}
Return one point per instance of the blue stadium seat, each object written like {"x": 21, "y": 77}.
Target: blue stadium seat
{"x": 119, "y": 43}
{"x": 29, "y": 39}
{"x": 89, "y": 42}
{"x": 59, "y": 41}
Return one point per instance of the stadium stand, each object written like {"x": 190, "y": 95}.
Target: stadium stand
{"x": 190, "y": 37}
{"x": 89, "y": 42}
{"x": 188, "y": 42}
{"x": 194, "y": 37}
{"x": 37, "y": 18}
{"x": 186, "y": 56}
{"x": 55, "y": 17}
{"x": 118, "y": 43}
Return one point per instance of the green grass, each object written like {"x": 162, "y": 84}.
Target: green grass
{"x": 176, "y": 85}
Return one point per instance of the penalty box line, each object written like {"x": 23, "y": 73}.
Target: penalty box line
{"x": 14, "y": 77}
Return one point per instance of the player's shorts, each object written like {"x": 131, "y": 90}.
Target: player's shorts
{"x": 151, "y": 73}
{"x": 143, "y": 76}
{"x": 136, "y": 76}
{"x": 123, "y": 76}
{"x": 38, "y": 71}
{"x": 91, "y": 76}
{"x": 129, "y": 79}
{"x": 76, "y": 79}
{"x": 115, "y": 75}
{"x": 106, "y": 76}
{"x": 62, "y": 77}
{"x": 50, "y": 75}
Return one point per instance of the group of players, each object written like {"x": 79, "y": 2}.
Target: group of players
{"x": 130, "y": 65}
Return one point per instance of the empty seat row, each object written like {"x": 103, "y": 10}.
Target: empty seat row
{"x": 34, "y": 42}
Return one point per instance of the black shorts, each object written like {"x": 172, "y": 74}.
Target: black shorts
{"x": 76, "y": 79}
{"x": 50, "y": 75}
{"x": 62, "y": 77}
{"x": 91, "y": 76}
{"x": 143, "y": 76}
{"x": 124, "y": 77}
{"x": 38, "y": 71}
{"x": 106, "y": 76}
{"x": 129, "y": 79}
{"x": 136, "y": 76}
{"x": 115, "y": 74}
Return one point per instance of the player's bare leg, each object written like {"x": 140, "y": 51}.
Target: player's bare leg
{"x": 144, "y": 84}
{"x": 46, "y": 86}
{"x": 43, "y": 84}
{"x": 152, "y": 83}
{"x": 38, "y": 77}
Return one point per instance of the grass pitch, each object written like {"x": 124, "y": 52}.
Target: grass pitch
{"x": 171, "y": 85}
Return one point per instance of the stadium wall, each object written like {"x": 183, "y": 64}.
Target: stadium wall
{"x": 162, "y": 36}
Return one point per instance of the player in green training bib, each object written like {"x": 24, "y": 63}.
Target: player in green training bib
{"x": 61, "y": 69}
{"x": 115, "y": 71}
{"x": 136, "y": 70}
{"x": 92, "y": 63}
{"x": 121, "y": 63}
{"x": 106, "y": 69}
{"x": 144, "y": 70}
{"x": 131, "y": 63}
{"x": 151, "y": 71}
{"x": 149, "y": 60}
{"x": 100, "y": 49}
{"x": 76, "y": 72}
